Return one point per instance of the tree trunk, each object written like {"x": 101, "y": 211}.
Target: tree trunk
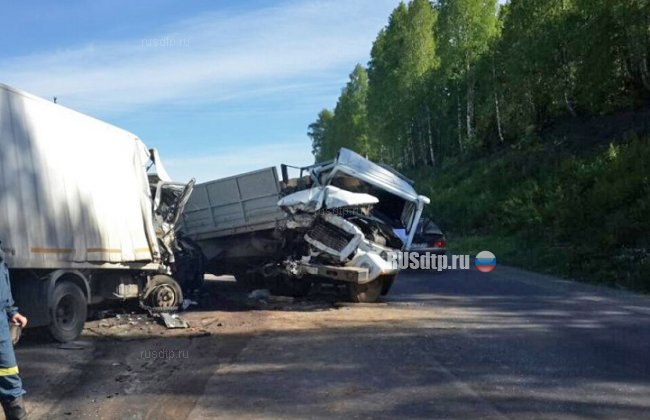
{"x": 498, "y": 115}
{"x": 410, "y": 141}
{"x": 412, "y": 153}
{"x": 432, "y": 157}
{"x": 567, "y": 83}
{"x": 569, "y": 105}
{"x": 460, "y": 129}
{"x": 470, "y": 112}
{"x": 644, "y": 57}
{"x": 470, "y": 103}
{"x": 496, "y": 101}
{"x": 441, "y": 152}
{"x": 644, "y": 72}
{"x": 531, "y": 101}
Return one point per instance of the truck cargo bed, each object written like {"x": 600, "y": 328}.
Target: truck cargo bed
{"x": 229, "y": 206}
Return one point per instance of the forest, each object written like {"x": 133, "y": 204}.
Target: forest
{"x": 527, "y": 123}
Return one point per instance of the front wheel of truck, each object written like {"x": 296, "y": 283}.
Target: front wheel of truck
{"x": 162, "y": 293}
{"x": 367, "y": 292}
{"x": 69, "y": 310}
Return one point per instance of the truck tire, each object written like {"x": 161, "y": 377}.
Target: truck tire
{"x": 69, "y": 309}
{"x": 367, "y": 292}
{"x": 162, "y": 291}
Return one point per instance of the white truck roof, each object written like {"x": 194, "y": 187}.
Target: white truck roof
{"x": 73, "y": 189}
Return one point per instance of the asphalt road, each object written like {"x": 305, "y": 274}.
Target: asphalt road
{"x": 508, "y": 344}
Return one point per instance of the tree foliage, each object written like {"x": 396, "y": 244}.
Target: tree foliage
{"x": 454, "y": 78}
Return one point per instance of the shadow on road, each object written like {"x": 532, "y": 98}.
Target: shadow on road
{"x": 455, "y": 345}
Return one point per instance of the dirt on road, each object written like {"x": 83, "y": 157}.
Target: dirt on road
{"x": 129, "y": 366}
{"x": 460, "y": 344}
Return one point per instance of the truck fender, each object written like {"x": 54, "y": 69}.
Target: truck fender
{"x": 74, "y": 276}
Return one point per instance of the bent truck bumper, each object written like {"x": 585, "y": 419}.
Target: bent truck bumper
{"x": 346, "y": 274}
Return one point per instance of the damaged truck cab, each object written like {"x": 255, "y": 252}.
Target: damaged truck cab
{"x": 84, "y": 218}
{"x": 337, "y": 222}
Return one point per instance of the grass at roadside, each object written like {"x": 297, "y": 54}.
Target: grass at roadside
{"x": 513, "y": 251}
{"x": 555, "y": 207}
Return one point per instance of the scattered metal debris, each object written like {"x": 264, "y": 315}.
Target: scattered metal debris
{"x": 173, "y": 321}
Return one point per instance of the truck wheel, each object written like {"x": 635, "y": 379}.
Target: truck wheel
{"x": 162, "y": 291}
{"x": 69, "y": 309}
{"x": 367, "y": 292}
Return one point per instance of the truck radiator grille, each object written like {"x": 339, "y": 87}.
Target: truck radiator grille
{"x": 329, "y": 235}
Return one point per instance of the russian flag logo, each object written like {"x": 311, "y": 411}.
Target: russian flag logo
{"x": 485, "y": 261}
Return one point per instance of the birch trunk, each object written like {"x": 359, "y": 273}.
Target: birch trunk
{"x": 460, "y": 130}
{"x": 470, "y": 103}
{"x": 432, "y": 157}
{"x": 497, "y": 109}
{"x": 569, "y": 105}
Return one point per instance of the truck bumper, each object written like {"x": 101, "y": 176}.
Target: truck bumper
{"x": 346, "y": 274}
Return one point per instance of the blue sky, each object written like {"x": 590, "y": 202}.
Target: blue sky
{"x": 218, "y": 87}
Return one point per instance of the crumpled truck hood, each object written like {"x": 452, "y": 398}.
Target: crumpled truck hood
{"x": 329, "y": 197}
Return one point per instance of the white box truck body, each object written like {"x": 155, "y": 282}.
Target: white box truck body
{"x": 77, "y": 206}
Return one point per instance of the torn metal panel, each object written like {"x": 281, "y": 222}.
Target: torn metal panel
{"x": 329, "y": 197}
{"x": 372, "y": 261}
{"x": 173, "y": 321}
{"x": 357, "y": 166}
{"x": 354, "y": 165}
{"x": 160, "y": 171}
{"x": 336, "y": 198}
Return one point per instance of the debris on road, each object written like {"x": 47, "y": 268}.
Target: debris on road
{"x": 75, "y": 345}
{"x": 173, "y": 321}
{"x": 359, "y": 304}
{"x": 259, "y": 294}
{"x": 280, "y": 299}
{"x": 187, "y": 303}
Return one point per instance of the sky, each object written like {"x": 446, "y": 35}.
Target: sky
{"x": 218, "y": 87}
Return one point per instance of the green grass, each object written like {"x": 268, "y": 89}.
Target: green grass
{"x": 553, "y": 207}
{"x": 511, "y": 250}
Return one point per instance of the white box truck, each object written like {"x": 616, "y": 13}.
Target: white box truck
{"x": 83, "y": 217}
